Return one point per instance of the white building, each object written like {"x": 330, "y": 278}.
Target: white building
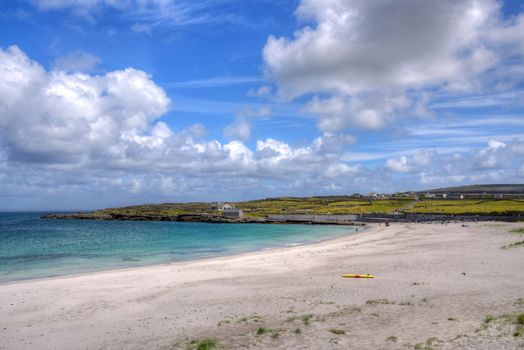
{"x": 226, "y": 206}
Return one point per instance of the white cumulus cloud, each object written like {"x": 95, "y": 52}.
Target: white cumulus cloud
{"x": 373, "y": 61}
{"x": 411, "y": 164}
{"x": 58, "y": 116}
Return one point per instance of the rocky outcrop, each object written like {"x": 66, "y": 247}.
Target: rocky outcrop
{"x": 151, "y": 217}
{"x": 276, "y": 219}
{"x": 196, "y": 217}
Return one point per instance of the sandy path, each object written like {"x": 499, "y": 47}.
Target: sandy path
{"x": 420, "y": 293}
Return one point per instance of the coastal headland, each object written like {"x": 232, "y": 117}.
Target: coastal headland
{"x": 437, "y": 286}
{"x": 466, "y": 203}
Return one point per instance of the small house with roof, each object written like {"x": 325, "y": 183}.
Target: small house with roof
{"x": 233, "y": 213}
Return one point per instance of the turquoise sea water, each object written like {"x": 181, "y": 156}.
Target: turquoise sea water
{"x": 31, "y": 247}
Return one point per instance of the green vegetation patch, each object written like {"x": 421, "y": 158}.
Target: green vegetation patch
{"x": 165, "y": 209}
{"x": 514, "y": 245}
{"x": 204, "y": 344}
{"x": 380, "y": 301}
{"x": 306, "y": 319}
{"x": 519, "y": 319}
{"x": 519, "y": 325}
{"x": 488, "y": 319}
{"x": 320, "y": 205}
{"x": 253, "y": 318}
{"x": 428, "y": 344}
{"x": 275, "y": 333}
{"x": 514, "y": 323}
{"x": 263, "y": 330}
{"x": 392, "y": 339}
{"x": 468, "y": 206}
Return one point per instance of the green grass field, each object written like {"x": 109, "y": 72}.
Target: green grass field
{"x": 334, "y": 205}
{"x": 468, "y": 206}
{"x": 321, "y": 205}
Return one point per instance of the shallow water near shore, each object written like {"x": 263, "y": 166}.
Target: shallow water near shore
{"x": 31, "y": 247}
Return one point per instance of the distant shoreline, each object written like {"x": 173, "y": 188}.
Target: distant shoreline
{"x": 205, "y": 218}
{"x": 357, "y": 220}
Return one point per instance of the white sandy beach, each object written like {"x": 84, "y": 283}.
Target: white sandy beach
{"x": 435, "y": 285}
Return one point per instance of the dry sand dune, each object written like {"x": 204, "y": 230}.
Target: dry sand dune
{"x": 435, "y": 287}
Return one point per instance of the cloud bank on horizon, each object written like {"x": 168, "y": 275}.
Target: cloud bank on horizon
{"x": 357, "y": 96}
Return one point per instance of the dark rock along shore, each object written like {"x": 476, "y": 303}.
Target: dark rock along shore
{"x": 211, "y": 218}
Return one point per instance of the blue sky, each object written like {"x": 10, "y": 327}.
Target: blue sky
{"x": 108, "y": 103}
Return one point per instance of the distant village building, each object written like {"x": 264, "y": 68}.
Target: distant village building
{"x": 455, "y": 196}
{"x": 374, "y": 195}
{"x": 452, "y": 195}
{"x": 226, "y": 206}
{"x": 220, "y": 206}
{"x": 215, "y": 206}
{"x": 233, "y": 213}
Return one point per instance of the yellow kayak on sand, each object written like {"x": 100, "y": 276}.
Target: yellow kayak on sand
{"x": 356, "y": 275}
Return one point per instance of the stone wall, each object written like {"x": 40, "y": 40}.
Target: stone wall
{"x": 314, "y": 218}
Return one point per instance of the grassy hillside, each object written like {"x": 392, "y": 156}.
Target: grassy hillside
{"x": 333, "y": 205}
{"x": 490, "y": 189}
{"x": 264, "y": 207}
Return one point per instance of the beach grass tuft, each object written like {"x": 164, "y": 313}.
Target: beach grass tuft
{"x": 428, "y": 344}
{"x": 380, "y": 301}
{"x": 253, "y": 318}
{"x": 262, "y": 330}
{"x": 520, "y": 319}
{"x": 204, "y": 344}
{"x": 392, "y": 339}
{"x": 514, "y": 245}
{"x": 488, "y": 319}
{"x": 514, "y": 320}
{"x": 275, "y": 333}
{"x": 306, "y": 319}
{"x": 519, "y": 231}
